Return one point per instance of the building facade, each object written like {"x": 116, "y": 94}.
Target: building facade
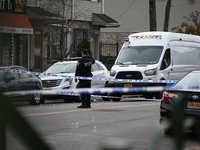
{"x": 15, "y": 33}
{"x": 54, "y": 30}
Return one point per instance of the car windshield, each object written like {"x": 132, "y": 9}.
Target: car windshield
{"x": 62, "y": 68}
{"x": 139, "y": 55}
{"x": 191, "y": 79}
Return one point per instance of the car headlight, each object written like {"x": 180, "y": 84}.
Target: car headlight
{"x": 68, "y": 80}
{"x": 112, "y": 73}
{"x": 151, "y": 72}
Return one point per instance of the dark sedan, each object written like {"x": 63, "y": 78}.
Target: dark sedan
{"x": 182, "y": 103}
{"x": 14, "y": 81}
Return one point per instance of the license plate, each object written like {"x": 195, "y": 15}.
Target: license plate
{"x": 194, "y": 105}
{"x": 127, "y": 85}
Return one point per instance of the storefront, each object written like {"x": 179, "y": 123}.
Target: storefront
{"x": 15, "y": 31}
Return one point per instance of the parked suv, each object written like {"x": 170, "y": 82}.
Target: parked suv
{"x": 68, "y": 68}
{"x": 14, "y": 81}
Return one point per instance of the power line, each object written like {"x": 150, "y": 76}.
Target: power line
{"x": 125, "y": 10}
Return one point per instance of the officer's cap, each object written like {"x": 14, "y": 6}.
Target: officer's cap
{"x": 85, "y": 51}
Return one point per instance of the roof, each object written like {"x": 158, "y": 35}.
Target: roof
{"x": 104, "y": 21}
{"x": 38, "y": 13}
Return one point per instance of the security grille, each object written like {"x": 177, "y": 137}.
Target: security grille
{"x": 51, "y": 83}
{"x": 129, "y": 75}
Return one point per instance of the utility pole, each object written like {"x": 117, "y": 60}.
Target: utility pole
{"x": 152, "y": 15}
{"x": 167, "y": 15}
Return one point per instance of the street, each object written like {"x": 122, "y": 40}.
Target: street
{"x": 131, "y": 124}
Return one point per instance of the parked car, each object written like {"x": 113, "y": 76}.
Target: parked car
{"x": 189, "y": 99}
{"x": 68, "y": 68}
{"x": 13, "y": 81}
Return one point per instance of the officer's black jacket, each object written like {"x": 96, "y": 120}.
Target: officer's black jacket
{"x": 84, "y": 66}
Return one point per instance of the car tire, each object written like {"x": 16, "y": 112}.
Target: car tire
{"x": 76, "y": 99}
{"x": 116, "y": 99}
{"x": 36, "y": 99}
{"x": 105, "y": 99}
{"x": 68, "y": 99}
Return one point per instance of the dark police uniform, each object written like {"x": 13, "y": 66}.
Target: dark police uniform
{"x": 83, "y": 69}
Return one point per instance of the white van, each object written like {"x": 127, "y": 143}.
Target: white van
{"x": 155, "y": 56}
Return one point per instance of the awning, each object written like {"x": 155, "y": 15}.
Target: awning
{"x": 12, "y": 23}
{"x": 104, "y": 21}
{"x": 43, "y": 16}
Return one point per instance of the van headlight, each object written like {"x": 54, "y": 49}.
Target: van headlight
{"x": 151, "y": 72}
{"x": 112, "y": 73}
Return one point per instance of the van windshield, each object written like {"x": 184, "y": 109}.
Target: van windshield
{"x": 139, "y": 55}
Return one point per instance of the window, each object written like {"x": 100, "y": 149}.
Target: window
{"x": 14, "y": 74}
{"x": 166, "y": 60}
{"x": 100, "y": 68}
{"x": 23, "y": 75}
{"x": 95, "y": 67}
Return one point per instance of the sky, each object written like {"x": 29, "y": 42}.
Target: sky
{"x": 134, "y": 14}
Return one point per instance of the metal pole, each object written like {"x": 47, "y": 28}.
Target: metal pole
{"x": 102, "y": 6}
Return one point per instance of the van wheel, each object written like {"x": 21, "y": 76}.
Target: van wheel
{"x": 148, "y": 96}
{"x": 158, "y": 95}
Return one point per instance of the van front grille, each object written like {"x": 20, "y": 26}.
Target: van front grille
{"x": 51, "y": 83}
{"x": 129, "y": 75}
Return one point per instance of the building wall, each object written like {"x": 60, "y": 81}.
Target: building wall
{"x": 114, "y": 37}
{"x": 84, "y": 9}
{"x": 134, "y": 14}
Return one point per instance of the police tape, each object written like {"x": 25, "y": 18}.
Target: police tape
{"x": 104, "y": 96}
{"x": 89, "y": 78}
{"x": 99, "y": 91}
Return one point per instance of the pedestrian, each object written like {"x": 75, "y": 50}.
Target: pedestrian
{"x": 83, "y": 69}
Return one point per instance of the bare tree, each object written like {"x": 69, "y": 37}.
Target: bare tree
{"x": 152, "y": 15}
{"x": 167, "y": 15}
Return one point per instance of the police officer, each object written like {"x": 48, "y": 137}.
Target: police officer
{"x": 83, "y": 69}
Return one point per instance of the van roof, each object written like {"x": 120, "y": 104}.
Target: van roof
{"x": 159, "y": 37}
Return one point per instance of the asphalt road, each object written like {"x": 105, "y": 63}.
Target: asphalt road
{"x": 130, "y": 123}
